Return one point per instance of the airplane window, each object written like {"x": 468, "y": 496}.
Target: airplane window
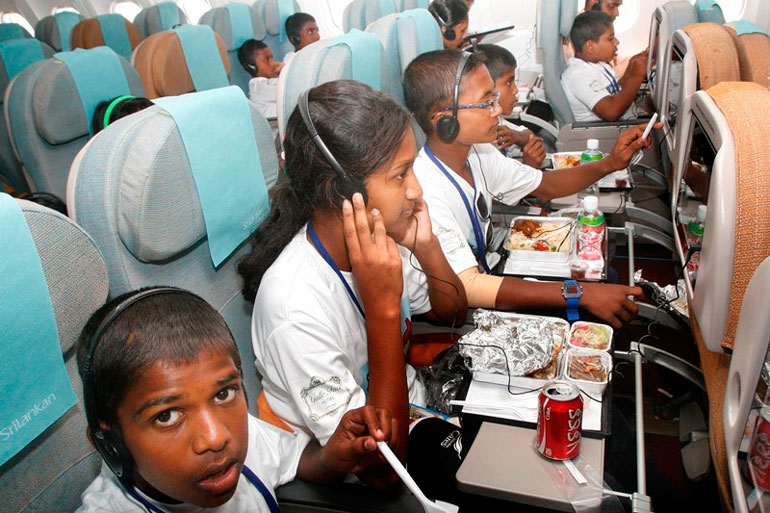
{"x": 194, "y": 9}
{"x": 64, "y": 8}
{"x": 629, "y": 15}
{"x": 126, "y": 8}
{"x": 14, "y": 17}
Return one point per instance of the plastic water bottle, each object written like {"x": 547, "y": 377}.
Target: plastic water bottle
{"x": 694, "y": 236}
{"x": 590, "y": 230}
{"x": 591, "y": 154}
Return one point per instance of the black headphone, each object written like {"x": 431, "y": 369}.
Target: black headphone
{"x": 448, "y": 127}
{"x": 449, "y": 31}
{"x": 108, "y": 442}
{"x": 346, "y": 185}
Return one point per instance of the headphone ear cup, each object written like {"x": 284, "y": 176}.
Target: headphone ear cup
{"x": 450, "y": 34}
{"x": 448, "y": 128}
{"x": 346, "y": 187}
{"x": 114, "y": 452}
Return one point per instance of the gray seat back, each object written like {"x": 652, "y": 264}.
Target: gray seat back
{"x": 55, "y": 30}
{"x": 50, "y": 474}
{"x": 555, "y": 18}
{"x": 159, "y": 17}
{"x": 274, "y": 18}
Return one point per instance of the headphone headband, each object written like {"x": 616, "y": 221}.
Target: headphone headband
{"x": 114, "y": 103}
{"x": 448, "y": 127}
{"x": 458, "y": 79}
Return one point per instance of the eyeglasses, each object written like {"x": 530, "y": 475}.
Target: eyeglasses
{"x": 493, "y": 105}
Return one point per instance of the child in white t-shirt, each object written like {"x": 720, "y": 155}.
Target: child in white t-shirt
{"x": 257, "y": 59}
{"x": 593, "y": 90}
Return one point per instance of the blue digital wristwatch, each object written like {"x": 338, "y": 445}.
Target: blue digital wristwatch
{"x": 572, "y": 291}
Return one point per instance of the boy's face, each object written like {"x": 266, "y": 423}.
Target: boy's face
{"x": 460, "y": 30}
{"x": 308, "y": 34}
{"x": 603, "y": 50}
{"x": 506, "y": 86}
{"x": 266, "y": 65}
{"x": 477, "y": 125}
{"x": 186, "y": 427}
{"x": 394, "y": 188}
{"x": 612, "y": 7}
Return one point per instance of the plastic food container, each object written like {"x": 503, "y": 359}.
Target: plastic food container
{"x": 590, "y": 335}
{"x": 581, "y": 363}
{"x": 552, "y": 243}
{"x": 566, "y": 159}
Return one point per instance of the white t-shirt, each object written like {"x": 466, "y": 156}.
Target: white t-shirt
{"x": 264, "y": 93}
{"x": 273, "y": 455}
{"x": 586, "y": 84}
{"x": 310, "y": 339}
{"x": 495, "y": 176}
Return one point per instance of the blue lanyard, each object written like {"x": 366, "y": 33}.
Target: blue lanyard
{"x": 481, "y": 245}
{"x": 325, "y": 254}
{"x": 614, "y": 85}
{"x": 246, "y": 471}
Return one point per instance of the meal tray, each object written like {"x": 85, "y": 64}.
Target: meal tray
{"x": 542, "y": 256}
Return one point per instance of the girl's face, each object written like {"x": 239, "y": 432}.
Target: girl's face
{"x": 460, "y": 30}
{"x": 393, "y": 189}
{"x": 266, "y": 65}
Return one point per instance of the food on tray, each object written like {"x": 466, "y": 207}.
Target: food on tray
{"x": 552, "y": 369}
{"x": 547, "y": 236}
{"x": 562, "y": 161}
{"x": 587, "y": 367}
{"x": 590, "y": 335}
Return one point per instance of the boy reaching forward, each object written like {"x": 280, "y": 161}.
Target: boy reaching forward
{"x": 461, "y": 176}
{"x": 592, "y": 88}
{"x": 166, "y": 388}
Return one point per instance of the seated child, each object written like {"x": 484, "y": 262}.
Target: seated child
{"x": 331, "y": 278}
{"x": 162, "y": 385}
{"x": 461, "y": 173}
{"x": 257, "y": 59}
{"x": 502, "y": 67}
{"x": 112, "y": 110}
{"x": 592, "y": 88}
{"x": 452, "y": 17}
{"x": 302, "y": 30}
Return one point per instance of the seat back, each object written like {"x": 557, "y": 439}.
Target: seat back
{"x": 55, "y": 30}
{"x": 667, "y": 19}
{"x": 15, "y": 55}
{"x": 49, "y": 107}
{"x": 186, "y": 59}
{"x": 51, "y": 472}
{"x": 12, "y": 31}
{"x": 159, "y": 17}
{"x": 406, "y": 5}
{"x": 111, "y": 30}
{"x": 134, "y": 191}
{"x": 404, "y": 36}
{"x": 555, "y": 18}
{"x": 352, "y": 56}
{"x": 709, "y": 11}
{"x": 360, "y": 13}
{"x": 753, "y": 45}
{"x": 235, "y": 23}
{"x": 274, "y": 13}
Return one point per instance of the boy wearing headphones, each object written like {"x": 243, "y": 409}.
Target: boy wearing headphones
{"x": 167, "y": 411}
{"x": 452, "y": 96}
{"x": 302, "y": 30}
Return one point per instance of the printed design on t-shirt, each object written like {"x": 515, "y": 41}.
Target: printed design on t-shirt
{"x": 455, "y": 441}
{"x": 451, "y": 242}
{"x": 325, "y": 397}
{"x": 599, "y": 85}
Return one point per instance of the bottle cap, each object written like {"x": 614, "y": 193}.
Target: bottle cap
{"x": 702, "y": 210}
{"x": 591, "y": 203}
{"x": 592, "y": 144}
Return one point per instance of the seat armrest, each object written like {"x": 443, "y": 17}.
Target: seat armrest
{"x": 611, "y": 124}
{"x": 302, "y": 496}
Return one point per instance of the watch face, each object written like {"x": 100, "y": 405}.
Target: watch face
{"x": 572, "y": 290}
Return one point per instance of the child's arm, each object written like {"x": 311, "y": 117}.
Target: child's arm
{"x": 377, "y": 268}
{"x": 563, "y": 182}
{"x": 612, "y": 108}
{"x": 352, "y": 447}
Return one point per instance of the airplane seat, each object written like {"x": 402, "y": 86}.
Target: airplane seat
{"x": 709, "y": 11}
{"x": 667, "y": 19}
{"x": 159, "y": 17}
{"x": 235, "y": 23}
{"x": 48, "y": 109}
{"x": 733, "y": 118}
{"x": 55, "y": 30}
{"x": 351, "y": 56}
{"x": 404, "y": 36}
{"x": 134, "y": 188}
{"x": 186, "y": 59}
{"x": 15, "y": 55}
{"x": 749, "y": 357}
{"x": 51, "y": 472}
{"x": 753, "y": 46}
{"x": 407, "y": 5}
{"x": 274, "y": 13}
{"x": 111, "y": 30}
{"x": 13, "y": 31}
{"x": 360, "y": 13}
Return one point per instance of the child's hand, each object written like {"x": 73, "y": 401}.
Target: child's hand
{"x": 278, "y": 67}
{"x": 374, "y": 258}
{"x": 419, "y": 234}
{"x": 505, "y": 137}
{"x": 353, "y": 446}
{"x": 610, "y": 302}
{"x": 534, "y": 152}
{"x": 637, "y": 65}
{"x": 628, "y": 143}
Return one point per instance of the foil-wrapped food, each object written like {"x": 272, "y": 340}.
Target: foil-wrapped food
{"x": 522, "y": 345}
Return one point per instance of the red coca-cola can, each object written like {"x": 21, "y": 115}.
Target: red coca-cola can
{"x": 559, "y": 421}
{"x": 759, "y": 454}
